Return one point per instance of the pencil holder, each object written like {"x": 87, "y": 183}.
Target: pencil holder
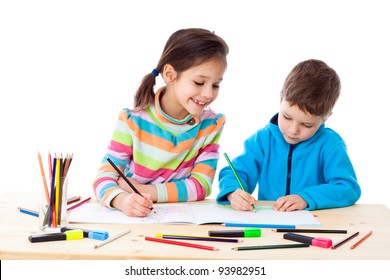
{"x": 53, "y": 203}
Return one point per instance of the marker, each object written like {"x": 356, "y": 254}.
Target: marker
{"x": 308, "y": 230}
{"x": 28, "y": 212}
{"x": 196, "y": 238}
{"x": 91, "y": 234}
{"x": 344, "y": 240}
{"x": 252, "y": 232}
{"x": 278, "y": 246}
{"x": 258, "y": 225}
{"x": 237, "y": 178}
{"x": 361, "y": 240}
{"x": 315, "y": 241}
{"x": 68, "y": 235}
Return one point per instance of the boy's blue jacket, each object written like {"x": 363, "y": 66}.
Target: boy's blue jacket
{"x": 321, "y": 171}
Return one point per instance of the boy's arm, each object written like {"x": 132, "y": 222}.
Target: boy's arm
{"x": 247, "y": 166}
{"x": 341, "y": 188}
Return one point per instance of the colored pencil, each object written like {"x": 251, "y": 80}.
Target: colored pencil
{"x": 236, "y": 175}
{"x": 179, "y": 243}
{"x": 100, "y": 244}
{"x": 78, "y": 204}
{"x": 361, "y": 240}
{"x": 73, "y": 199}
{"x": 278, "y": 246}
{"x": 197, "y": 238}
{"x": 309, "y": 230}
{"x": 344, "y": 240}
{"x": 258, "y": 225}
{"x": 125, "y": 178}
{"x": 43, "y": 178}
{"x": 28, "y": 212}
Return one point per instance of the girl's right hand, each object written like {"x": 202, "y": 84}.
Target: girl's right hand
{"x": 133, "y": 204}
{"x": 241, "y": 200}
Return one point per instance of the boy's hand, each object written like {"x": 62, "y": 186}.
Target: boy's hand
{"x": 133, "y": 204}
{"x": 241, "y": 200}
{"x": 290, "y": 203}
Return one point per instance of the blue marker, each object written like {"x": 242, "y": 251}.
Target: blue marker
{"x": 258, "y": 225}
{"x": 92, "y": 234}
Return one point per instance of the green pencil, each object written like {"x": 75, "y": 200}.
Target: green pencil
{"x": 279, "y": 246}
{"x": 236, "y": 175}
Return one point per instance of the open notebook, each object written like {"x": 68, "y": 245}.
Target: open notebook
{"x": 194, "y": 213}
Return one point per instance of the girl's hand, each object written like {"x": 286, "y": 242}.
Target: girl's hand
{"x": 241, "y": 200}
{"x": 290, "y": 203}
{"x": 133, "y": 204}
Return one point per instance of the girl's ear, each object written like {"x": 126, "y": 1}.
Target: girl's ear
{"x": 169, "y": 73}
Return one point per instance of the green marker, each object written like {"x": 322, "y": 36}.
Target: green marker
{"x": 250, "y": 232}
{"x": 236, "y": 175}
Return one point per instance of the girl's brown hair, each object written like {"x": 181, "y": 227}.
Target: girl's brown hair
{"x": 184, "y": 49}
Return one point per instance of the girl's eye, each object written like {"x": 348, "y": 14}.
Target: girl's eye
{"x": 199, "y": 84}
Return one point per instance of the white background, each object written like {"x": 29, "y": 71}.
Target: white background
{"x": 68, "y": 67}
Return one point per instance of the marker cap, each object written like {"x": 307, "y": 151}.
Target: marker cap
{"x": 74, "y": 234}
{"x": 252, "y": 232}
{"x": 98, "y": 234}
{"x": 322, "y": 242}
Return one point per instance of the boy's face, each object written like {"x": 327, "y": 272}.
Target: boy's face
{"x": 297, "y": 125}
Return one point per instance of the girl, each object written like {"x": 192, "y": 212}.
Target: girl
{"x": 167, "y": 145}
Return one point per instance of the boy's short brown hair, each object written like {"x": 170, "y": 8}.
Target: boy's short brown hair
{"x": 313, "y": 86}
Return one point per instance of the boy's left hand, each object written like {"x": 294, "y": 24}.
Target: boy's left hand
{"x": 290, "y": 203}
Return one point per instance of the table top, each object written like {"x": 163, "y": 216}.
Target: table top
{"x": 15, "y": 227}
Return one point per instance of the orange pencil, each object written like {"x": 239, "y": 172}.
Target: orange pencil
{"x": 361, "y": 240}
{"x": 186, "y": 244}
{"x": 43, "y": 178}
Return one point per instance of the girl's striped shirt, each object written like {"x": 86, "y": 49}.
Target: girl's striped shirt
{"x": 179, "y": 157}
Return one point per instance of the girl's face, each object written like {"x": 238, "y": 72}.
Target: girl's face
{"x": 192, "y": 90}
{"x": 297, "y": 125}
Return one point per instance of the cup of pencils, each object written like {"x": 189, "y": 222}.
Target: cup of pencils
{"x": 53, "y": 195}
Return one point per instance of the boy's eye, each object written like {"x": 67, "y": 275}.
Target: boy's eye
{"x": 287, "y": 118}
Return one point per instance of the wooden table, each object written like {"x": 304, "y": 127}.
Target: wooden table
{"x": 15, "y": 228}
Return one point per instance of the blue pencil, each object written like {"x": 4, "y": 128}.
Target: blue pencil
{"x": 28, "y": 212}
{"x": 258, "y": 225}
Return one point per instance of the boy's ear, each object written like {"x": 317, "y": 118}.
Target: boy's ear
{"x": 326, "y": 117}
{"x": 169, "y": 73}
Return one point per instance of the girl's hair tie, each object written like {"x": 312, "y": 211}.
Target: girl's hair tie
{"x": 155, "y": 72}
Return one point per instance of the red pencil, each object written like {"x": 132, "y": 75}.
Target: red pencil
{"x": 78, "y": 204}
{"x": 186, "y": 244}
{"x": 361, "y": 240}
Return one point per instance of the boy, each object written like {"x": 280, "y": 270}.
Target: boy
{"x": 295, "y": 160}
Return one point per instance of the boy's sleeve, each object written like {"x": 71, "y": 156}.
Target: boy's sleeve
{"x": 341, "y": 188}
{"x": 247, "y": 166}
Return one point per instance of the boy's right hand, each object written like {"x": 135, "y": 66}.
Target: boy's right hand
{"x": 241, "y": 200}
{"x": 133, "y": 204}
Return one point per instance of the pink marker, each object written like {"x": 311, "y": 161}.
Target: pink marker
{"x": 315, "y": 241}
